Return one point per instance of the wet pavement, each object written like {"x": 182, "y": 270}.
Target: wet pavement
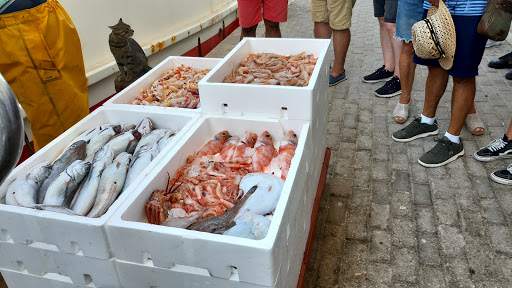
{"x": 384, "y": 220}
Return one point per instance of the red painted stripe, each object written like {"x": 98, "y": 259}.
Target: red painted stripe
{"x": 206, "y": 47}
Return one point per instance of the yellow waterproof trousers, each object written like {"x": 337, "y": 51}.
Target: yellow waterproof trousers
{"x": 41, "y": 59}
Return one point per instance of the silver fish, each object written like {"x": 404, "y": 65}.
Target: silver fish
{"x": 127, "y": 127}
{"x": 169, "y": 135}
{"x": 111, "y": 184}
{"x": 75, "y": 152}
{"x": 86, "y": 196}
{"x": 56, "y": 208}
{"x": 145, "y": 126}
{"x": 23, "y": 191}
{"x": 122, "y": 142}
{"x": 140, "y": 161}
{"x": 152, "y": 137}
{"x": 63, "y": 188}
{"x": 100, "y": 140}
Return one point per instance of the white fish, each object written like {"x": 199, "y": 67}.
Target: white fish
{"x": 122, "y": 142}
{"x": 152, "y": 137}
{"x": 144, "y": 127}
{"x": 265, "y": 198}
{"x": 23, "y": 191}
{"x": 100, "y": 140}
{"x": 140, "y": 161}
{"x": 86, "y": 196}
{"x": 111, "y": 183}
{"x": 62, "y": 190}
{"x": 250, "y": 226}
{"x": 169, "y": 135}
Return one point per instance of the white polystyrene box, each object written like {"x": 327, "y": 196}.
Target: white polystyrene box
{"x": 273, "y": 101}
{"x": 39, "y": 259}
{"x": 131, "y": 92}
{"x": 74, "y": 233}
{"x": 15, "y": 279}
{"x": 256, "y": 261}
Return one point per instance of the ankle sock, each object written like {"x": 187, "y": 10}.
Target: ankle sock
{"x": 426, "y": 120}
{"x": 452, "y": 138}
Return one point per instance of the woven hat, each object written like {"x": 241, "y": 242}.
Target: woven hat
{"x": 434, "y": 37}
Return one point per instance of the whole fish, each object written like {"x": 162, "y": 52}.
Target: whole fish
{"x": 181, "y": 221}
{"x": 153, "y": 137}
{"x": 23, "y": 191}
{"x": 219, "y": 224}
{"x": 75, "y": 152}
{"x": 267, "y": 195}
{"x": 287, "y": 148}
{"x": 86, "y": 196}
{"x": 100, "y": 140}
{"x": 214, "y": 146}
{"x": 265, "y": 152}
{"x": 169, "y": 135}
{"x": 56, "y": 208}
{"x": 144, "y": 127}
{"x": 122, "y": 142}
{"x": 111, "y": 183}
{"x": 229, "y": 148}
{"x": 248, "y": 142}
{"x": 140, "y": 161}
{"x": 250, "y": 226}
{"x": 63, "y": 188}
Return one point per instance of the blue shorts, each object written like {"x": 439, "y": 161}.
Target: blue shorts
{"x": 409, "y": 12}
{"x": 469, "y": 48}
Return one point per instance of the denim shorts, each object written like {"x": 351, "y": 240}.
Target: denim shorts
{"x": 409, "y": 12}
{"x": 386, "y": 9}
{"x": 469, "y": 49}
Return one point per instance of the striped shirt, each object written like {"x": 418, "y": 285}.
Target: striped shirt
{"x": 463, "y": 7}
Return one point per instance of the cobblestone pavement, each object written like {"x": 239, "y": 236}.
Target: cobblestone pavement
{"x": 384, "y": 220}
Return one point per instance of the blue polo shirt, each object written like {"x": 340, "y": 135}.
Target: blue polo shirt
{"x": 463, "y": 7}
{"x": 19, "y": 5}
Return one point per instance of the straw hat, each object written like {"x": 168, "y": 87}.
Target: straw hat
{"x": 434, "y": 37}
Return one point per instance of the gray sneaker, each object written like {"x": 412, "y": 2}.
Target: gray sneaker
{"x": 415, "y": 130}
{"x": 443, "y": 153}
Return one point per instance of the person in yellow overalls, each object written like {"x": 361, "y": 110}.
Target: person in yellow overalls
{"x": 41, "y": 59}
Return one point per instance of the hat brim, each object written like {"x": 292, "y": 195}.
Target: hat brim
{"x": 446, "y": 62}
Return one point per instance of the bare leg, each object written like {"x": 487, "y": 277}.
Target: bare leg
{"x": 322, "y": 30}
{"x": 387, "y": 49}
{"x": 463, "y": 96}
{"x": 437, "y": 80}
{"x": 396, "y": 46}
{"x": 509, "y": 130}
{"x": 248, "y": 32}
{"x": 272, "y": 29}
{"x": 407, "y": 68}
{"x": 341, "y": 41}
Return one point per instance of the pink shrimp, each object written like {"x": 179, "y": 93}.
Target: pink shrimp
{"x": 265, "y": 152}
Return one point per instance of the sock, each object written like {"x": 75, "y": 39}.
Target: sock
{"x": 452, "y": 138}
{"x": 426, "y": 120}
{"x": 505, "y": 138}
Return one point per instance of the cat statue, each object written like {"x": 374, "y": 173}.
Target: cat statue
{"x": 130, "y": 57}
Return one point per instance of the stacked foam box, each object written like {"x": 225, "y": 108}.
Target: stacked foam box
{"x": 42, "y": 243}
{"x": 133, "y": 91}
{"x": 157, "y": 256}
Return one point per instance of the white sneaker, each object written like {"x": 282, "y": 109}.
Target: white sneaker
{"x": 491, "y": 43}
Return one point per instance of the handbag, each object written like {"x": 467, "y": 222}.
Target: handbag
{"x": 495, "y": 22}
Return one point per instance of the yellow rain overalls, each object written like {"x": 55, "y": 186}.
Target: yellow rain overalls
{"x": 41, "y": 59}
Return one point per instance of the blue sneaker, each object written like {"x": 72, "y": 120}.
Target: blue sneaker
{"x": 333, "y": 81}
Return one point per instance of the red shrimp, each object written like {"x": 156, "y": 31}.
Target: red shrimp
{"x": 214, "y": 146}
{"x": 265, "y": 152}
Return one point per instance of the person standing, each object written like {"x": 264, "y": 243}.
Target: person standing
{"x": 385, "y": 11}
{"x": 251, "y": 12}
{"x": 41, "y": 59}
{"x": 334, "y": 18}
{"x": 462, "y": 65}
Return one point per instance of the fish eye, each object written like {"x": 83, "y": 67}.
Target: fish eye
{"x": 223, "y": 133}
{"x": 294, "y": 135}
{"x": 253, "y": 139}
{"x": 268, "y": 135}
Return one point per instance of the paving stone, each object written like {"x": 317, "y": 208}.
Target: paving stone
{"x": 422, "y": 194}
{"x": 355, "y": 268}
{"x": 337, "y": 210}
{"x": 492, "y": 212}
{"x": 505, "y": 263}
{"x": 401, "y": 205}
{"x": 430, "y": 277}
{"x": 452, "y": 241}
{"x": 328, "y": 271}
{"x": 339, "y": 186}
{"x": 380, "y": 192}
{"x": 501, "y": 240}
{"x": 425, "y": 219}
{"x": 379, "y": 216}
{"x": 380, "y": 170}
{"x": 440, "y": 189}
{"x": 472, "y": 223}
{"x": 400, "y": 181}
{"x": 428, "y": 249}
{"x": 379, "y": 275}
{"x": 446, "y": 212}
{"x": 480, "y": 260}
{"x": 419, "y": 173}
{"x": 380, "y": 152}
{"x": 362, "y": 178}
{"x": 403, "y": 232}
{"x": 457, "y": 273}
{"x": 362, "y": 159}
{"x": 405, "y": 265}
{"x": 380, "y": 246}
{"x": 348, "y": 135}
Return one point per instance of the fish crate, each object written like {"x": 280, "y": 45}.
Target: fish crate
{"x": 131, "y": 92}
{"x": 17, "y": 279}
{"x": 220, "y": 260}
{"x": 39, "y": 259}
{"x": 75, "y": 234}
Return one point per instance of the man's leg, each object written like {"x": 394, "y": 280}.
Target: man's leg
{"x": 385, "y": 43}
{"x": 341, "y": 41}
{"x": 396, "y": 46}
{"x": 249, "y": 32}
{"x": 272, "y": 29}
{"x": 437, "y": 80}
{"x": 462, "y": 100}
{"x": 408, "y": 67}
{"x": 322, "y": 30}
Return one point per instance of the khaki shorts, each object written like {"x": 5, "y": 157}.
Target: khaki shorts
{"x": 338, "y": 13}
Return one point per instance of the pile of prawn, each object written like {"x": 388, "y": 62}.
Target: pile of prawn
{"x": 177, "y": 88}
{"x": 208, "y": 184}
{"x": 273, "y": 69}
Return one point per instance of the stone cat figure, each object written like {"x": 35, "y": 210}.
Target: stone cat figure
{"x": 130, "y": 57}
